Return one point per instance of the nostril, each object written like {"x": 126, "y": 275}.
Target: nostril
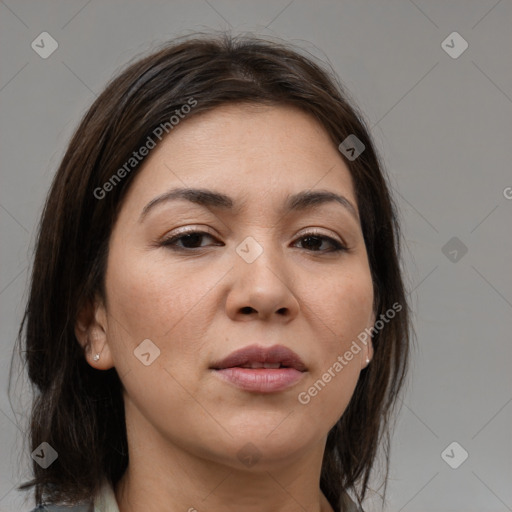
{"x": 246, "y": 310}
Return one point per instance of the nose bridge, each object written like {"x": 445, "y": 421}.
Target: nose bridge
{"x": 262, "y": 283}
{"x": 261, "y": 255}
{"x": 261, "y": 251}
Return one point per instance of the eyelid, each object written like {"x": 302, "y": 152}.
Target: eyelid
{"x": 317, "y": 231}
{"x": 188, "y": 229}
{"x": 204, "y": 229}
{"x": 334, "y": 239}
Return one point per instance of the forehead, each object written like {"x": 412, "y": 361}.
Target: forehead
{"x": 246, "y": 151}
{"x": 262, "y": 132}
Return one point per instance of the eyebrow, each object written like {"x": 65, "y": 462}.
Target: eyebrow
{"x": 301, "y": 201}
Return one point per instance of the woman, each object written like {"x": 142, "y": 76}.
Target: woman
{"x": 217, "y": 316}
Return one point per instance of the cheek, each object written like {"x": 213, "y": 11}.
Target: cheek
{"x": 153, "y": 299}
{"x": 346, "y": 305}
{"x": 344, "y": 309}
{"x": 150, "y": 295}
{"x": 159, "y": 299}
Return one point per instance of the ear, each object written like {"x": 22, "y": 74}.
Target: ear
{"x": 91, "y": 331}
{"x": 367, "y": 352}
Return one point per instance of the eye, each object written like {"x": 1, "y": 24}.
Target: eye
{"x": 315, "y": 240}
{"x": 189, "y": 239}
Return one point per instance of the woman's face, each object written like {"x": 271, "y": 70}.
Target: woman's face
{"x": 253, "y": 277}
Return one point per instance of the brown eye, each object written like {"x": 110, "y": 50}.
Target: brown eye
{"x": 189, "y": 240}
{"x": 192, "y": 240}
{"x": 313, "y": 242}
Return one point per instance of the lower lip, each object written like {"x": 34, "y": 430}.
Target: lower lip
{"x": 262, "y": 380}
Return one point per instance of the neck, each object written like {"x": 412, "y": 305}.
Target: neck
{"x": 247, "y": 494}
{"x": 168, "y": 476}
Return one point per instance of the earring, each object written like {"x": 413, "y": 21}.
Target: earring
{"x": 96, "y": 357}
{"x": 367, "y": 360}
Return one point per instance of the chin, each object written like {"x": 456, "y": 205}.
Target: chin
{"x": 265, "y": 448}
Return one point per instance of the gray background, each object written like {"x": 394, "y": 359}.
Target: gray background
{"x": 443, "y": 126}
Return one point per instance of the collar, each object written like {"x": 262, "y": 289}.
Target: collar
{"x": 105, "y": 501}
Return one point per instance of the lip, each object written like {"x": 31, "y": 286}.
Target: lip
{"x": 259, "y": 354}
{"x": 262, "y": 380}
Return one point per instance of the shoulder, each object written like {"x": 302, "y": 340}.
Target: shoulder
{"x": 105, "y": 501}
{"x": 63, "y": 508}
{"x": 347, "y": 504}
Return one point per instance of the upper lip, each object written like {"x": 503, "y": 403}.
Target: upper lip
{"x": 259, "y": 354}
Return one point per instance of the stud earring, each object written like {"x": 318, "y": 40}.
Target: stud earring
{"x": 367, "y": 360}
{"x": 96, "y": 357}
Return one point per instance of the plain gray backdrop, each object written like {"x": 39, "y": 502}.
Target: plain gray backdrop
{"x": 441, "y": 116}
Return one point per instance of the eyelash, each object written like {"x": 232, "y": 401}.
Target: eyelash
{"x": 170, "y": 242}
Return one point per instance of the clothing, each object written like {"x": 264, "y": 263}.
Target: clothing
{"x": 347, "y": 504}
{"x": 106, "y": 502}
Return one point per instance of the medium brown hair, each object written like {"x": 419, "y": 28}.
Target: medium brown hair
{"x": 78, "y": 410}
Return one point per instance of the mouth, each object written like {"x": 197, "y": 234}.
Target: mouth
{"x": 261, "y": 369}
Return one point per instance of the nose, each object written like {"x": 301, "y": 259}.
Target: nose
{"x": 263, "y": 289}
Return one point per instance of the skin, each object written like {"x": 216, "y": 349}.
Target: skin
{"x": 185, "y": 425}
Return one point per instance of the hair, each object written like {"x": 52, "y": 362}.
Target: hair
{"x": 78, "y": 410}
